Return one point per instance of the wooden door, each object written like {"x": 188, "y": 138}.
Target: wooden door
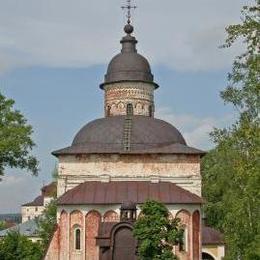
{"x": 124, "y": 245}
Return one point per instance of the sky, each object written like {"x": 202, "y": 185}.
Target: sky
{"x": 54, "y": 54}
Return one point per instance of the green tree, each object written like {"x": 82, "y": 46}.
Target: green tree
{"x": 231, "y": 172}
{"x": 17, "y": 247}
{"x": 47, "y": 223}
{"x": 156, "y": 232}
{"x": 55, "y": 173}
{"x": 15, "y": 139}
{"x": 2, "y": 225}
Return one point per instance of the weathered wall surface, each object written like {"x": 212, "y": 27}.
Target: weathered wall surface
{"x": 185, "y": 252}
{"x": 196, "y": 234}
{"x": 87, "y": 218}
{"x": 76, "y": 222}
{"x": 139, "y": 94}
{"x": 184, "y": 170}
{"x": 93, "y": 219}
{"x": 54, "y": 247}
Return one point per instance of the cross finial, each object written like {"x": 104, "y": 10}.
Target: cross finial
{"x": 128, "y": 7}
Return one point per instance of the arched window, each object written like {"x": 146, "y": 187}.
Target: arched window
{"x": 108, "y": 110}
{"x": 77, "y": 239}
{"x": 129, "y": 110}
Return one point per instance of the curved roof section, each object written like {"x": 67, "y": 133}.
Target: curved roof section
{"x": 145, "y": 135}
{"x": 145, "y": 131}
{"x": 128, "y": 67}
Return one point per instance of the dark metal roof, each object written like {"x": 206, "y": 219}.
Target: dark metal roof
{"x": 49, "y": 190}
{"x": 28, "y": 229}
{"x": 38, "y": 201}
{"x": 129, "y": 65}
{"x": 148, "y": 135}
{"x": 211, "y": 236}
{"x": 116, "y": 192}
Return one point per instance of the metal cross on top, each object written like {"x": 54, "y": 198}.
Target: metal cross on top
{"x": 129, "y": 7}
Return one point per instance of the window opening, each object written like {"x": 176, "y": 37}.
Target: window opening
{"x": 77, "y": 239}
{"x": 129, "y": 110}
{"x": 108, "y": 110}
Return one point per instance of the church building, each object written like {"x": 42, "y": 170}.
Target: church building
{"x": 118, "y": 162}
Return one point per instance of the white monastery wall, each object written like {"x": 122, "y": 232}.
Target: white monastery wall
{"x": 31, "y": 212}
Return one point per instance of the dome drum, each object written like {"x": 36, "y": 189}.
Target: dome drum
{"x": 139, "y": 95}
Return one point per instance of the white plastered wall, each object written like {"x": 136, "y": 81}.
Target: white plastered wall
{"x": 184, "y": 170}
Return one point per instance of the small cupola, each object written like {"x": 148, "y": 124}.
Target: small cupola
{"x": 128, "y": 212}
{"x": 128, "y": 65}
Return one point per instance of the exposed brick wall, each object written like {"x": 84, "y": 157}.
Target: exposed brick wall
{"x": 196, "y": 235}
{"x": 54, "y": 247}
{"x": 111, "y": 216}
{"x": 139, "y": 94}
{"x": 63, "y": 243}
{"x": 93, "y": 220}
{"x": 76, "y": 221}
{"x": 64, "y": 227}
{"x": 185, "y": 218}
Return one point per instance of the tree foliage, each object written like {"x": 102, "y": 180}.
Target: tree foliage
{"x": 231, "y": 172}
{"x": 46, "y": 224}
{"x": 15, "y": 139}
{"x": 18, "y": 247}
{"x": 2, "y": 225}
{"x": 156, "y": 232}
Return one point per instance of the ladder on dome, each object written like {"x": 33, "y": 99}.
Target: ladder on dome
{"x": 128, "y": 124}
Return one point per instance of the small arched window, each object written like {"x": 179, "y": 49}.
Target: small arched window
{"x": 77, "y": 239}
{"x": 129, "y": 110}
{"x": 108, "y": 111}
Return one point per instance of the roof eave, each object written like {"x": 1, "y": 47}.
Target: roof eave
{"x": 156, "y": 86}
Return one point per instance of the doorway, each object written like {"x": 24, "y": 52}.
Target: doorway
{"x": 124, "y": 245}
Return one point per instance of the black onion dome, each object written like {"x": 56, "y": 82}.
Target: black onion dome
{"x": 128, "y": 65}
{"x": 146, "y": 132}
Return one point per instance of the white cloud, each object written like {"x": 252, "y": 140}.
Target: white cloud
{"x": 17, "y": 188}
{"x": 179, "y": 34}
{"x": 195, "y": 129}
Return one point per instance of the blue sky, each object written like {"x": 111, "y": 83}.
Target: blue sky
{"x": 53, "y": 58}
